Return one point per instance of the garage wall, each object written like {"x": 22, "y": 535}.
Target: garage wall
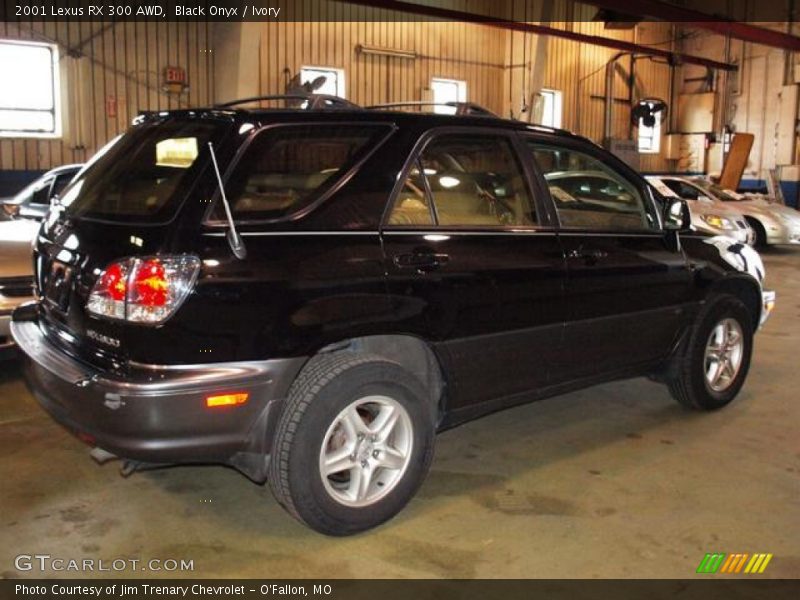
{"x": 578, "y": 71}
{"x": 498, "y": 65}
{"x": 117, "y": 70}
{"x": 109, "y": 72}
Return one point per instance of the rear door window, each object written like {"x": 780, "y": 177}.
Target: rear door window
{"x": 465, "y": 180}
{"x": 288, "y": 167}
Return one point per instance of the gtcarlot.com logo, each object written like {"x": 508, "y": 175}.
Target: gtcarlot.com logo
{"x": 719, "y": 562}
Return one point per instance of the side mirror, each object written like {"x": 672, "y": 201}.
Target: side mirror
{"x": 676, "y": 215}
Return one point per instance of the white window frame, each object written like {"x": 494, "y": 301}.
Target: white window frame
{"x": 461, "y": 94}
{"x": 557, "y": 104}
{"x": 56, "y": 132}
{"x": 653, "y": 146}
{"x": 341, "y": 90}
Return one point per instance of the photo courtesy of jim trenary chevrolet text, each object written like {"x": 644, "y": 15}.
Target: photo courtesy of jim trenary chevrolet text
{"x": 347, "y": 299}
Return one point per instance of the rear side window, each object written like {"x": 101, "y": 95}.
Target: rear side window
{"x": 465, "y": 180}
{"x": 287, "y": 167}
{"x": 144, "y": 175}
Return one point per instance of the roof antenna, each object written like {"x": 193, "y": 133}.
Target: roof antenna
{"x": 234, "y": 239}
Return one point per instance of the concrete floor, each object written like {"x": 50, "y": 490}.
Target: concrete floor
{"x": 614, "y": 481}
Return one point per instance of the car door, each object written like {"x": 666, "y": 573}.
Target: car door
{"x": 628, "y": 291}
{"x": 474, "y": 264}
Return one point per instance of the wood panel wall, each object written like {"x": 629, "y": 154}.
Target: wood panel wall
{"x": 125, "y": 61}
{"x": 109, "y": 63}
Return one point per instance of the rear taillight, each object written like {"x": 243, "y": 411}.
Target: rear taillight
{"x": 143, "y": 290}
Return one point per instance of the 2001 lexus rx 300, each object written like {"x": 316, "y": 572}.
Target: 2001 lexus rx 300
{"x": 308, "y": 295}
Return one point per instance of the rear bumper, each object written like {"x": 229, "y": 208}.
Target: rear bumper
{"x": 160, "y": 416}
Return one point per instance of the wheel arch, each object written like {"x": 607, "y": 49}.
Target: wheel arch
{"x": 758, "y": 227}
{"x": 409, "y": 351}
{"x": 745, "y": 289}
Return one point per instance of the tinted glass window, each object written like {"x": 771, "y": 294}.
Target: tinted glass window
{"x": 683, "y": 190}
{"x": 589, "y": 194}
{"x": 472, "y": 180}
{"x": 289, "y": 166}
{"x": 41, "y": 195}
{"x": 144, "y": 175}
{"x": 61, "y": 182}
{"x": 412, "y": 206}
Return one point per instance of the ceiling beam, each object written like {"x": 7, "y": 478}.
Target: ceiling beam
{"x": 595, "y": 40}
{"x": 692, "y": 18}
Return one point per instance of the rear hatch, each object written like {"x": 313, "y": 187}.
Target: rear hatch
{"x": 126, "y": 202}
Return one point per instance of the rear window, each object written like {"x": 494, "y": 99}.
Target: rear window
{"x": 144, "y": 175}
{"x": 290, "y": 166}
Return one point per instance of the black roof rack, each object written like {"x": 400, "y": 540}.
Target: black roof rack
{"x": 312, "y": 101}
{"x": 462, "y": 108}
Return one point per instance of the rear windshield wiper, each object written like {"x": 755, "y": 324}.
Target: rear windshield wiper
{"x": 234, "y": 239}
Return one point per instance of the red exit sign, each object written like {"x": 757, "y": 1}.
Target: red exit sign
{"x": 174, "y": 75}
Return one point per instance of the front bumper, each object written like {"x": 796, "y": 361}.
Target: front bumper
{"x": 159, "y": 415}
{"x": 780, "y": 234}
{"x": 767, "y": 304}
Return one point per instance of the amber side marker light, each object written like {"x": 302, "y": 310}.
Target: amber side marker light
{"x": 227, "y": 399}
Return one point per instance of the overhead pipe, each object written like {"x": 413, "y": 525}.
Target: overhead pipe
{"x": 692, "y": 18}
{"x": 596, "y": 40}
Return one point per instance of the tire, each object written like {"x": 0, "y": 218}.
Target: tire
{"x": 314, "y": 417}
{"x": 691, "y": 382}
{"x": 761, "y": 233}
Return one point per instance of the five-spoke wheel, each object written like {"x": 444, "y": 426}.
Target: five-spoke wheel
{"x": 366, "y": 450}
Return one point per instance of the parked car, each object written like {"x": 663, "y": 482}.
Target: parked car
{"x": 18, "y": 226}
{"x": 34, "y": 200}
{"x": 16, "y": 273}
{"x": 772, "y": 223}
{"x": 309, "y": 295}
{"x": 709, "y": 215}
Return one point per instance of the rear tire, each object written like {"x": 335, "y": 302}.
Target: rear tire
{"x": 353, "y": 444}
{"x": 712, "y": 369}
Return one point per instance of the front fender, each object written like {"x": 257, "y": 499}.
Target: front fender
{"x": 723, "y": 265}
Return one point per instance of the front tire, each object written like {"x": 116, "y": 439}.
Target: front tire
{"x": 712, "y": 369}
{"x": 760, "y": 231}
{"x": 353, "y": 444}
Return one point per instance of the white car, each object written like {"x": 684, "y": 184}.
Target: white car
{"x": 772, "y": 223}
{"x": 709, "y": 215}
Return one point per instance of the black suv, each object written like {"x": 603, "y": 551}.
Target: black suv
{"x": 309, "y": 294}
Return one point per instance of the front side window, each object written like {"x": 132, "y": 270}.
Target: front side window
{"x": 29, "y": 94}
{"x": 465, "y": 180}
{"x": 588, "y": 194}
{"x": 286, "y": 167}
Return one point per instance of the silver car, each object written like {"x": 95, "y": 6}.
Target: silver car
{"x": 773, "y": 223}
{"x": 34, "y": 200}
{"x": 709, "y": 215}
{"x": 16, "y": 271}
